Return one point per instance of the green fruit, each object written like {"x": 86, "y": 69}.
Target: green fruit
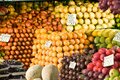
{"x": 96, "y": 40}
{"x": 105, "y": 33}
{"x": 118, "y": 43}
{"x": 117, "y": 20}
{"x": 102, "y": 45}
{"x": 118, "y": 24}
{"x": 114, "y": 72}
{"x": 116, "y": 78}
{"x": 111, "y": 78}
{"x": 110, "y": 45}
{"x": 102, "y": 39}
{"x": 108, "y": 40}
{"x": 114, "y": 42}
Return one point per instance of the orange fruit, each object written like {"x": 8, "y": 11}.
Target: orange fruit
{"x": 91, "y": 46}
{"x": 91, "y": 38}
{"x": 84, "y": 36}
{"x": 82, "y": 40}
{"x": 81, "y": 46}
{"x": 55, "y": 60}
{"x": 87, "y": 42}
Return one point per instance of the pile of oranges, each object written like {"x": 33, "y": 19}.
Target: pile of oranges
{"x": 61, "y": 44}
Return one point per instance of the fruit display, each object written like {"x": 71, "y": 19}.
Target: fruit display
{"x": 19, "y": 46}
{"x": 105, "y": 38}
{"x": 112, "y": 4}
{"x": 88, "y": 16}
{"x": 96, "y": 69}
{"x": 51, "y": 47}
{"x": 81, "y": 60}
{"x": 114, "y": 74}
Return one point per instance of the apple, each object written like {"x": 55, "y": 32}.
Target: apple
{"x": 87, "y": 21}
{"x": 80, "y": 14}
{"x": 117, "y": 56}
{"x": 86, "y": 15}
{"x": 116, "y": 78}
{"x": 114, "y": 72}
{"x": 78, "y": 27}
{"x": 108, "y": 52}
{"x": 81, "y": 21}
{"x": 118, "y": 50}
{"x": 94, "y": 21}
{"x": 105, "y": 70}
{"x": 102, "y": 50}
{"x": 70, "y": 28}
{"x": 116, "y": 65}
{"x": 99, "y": 63}
{"x": 95, "y": 68}
{"x": 102, "y": 57}
{"x": 92, "y": 15}
{"x": 90, "y": 66}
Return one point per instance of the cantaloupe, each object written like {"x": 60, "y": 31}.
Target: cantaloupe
{"x": 50, "y": 72}
{"x": 33, "y": 72}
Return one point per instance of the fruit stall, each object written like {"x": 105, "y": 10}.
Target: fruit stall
{"x": 59, "y": 40}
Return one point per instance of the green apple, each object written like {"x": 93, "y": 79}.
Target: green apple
{"x": 98, "y": 15}
{"x": 102, "y": 39}
{"x": 78, "y": 27}
{"x": 116, "y": 78}
{"x": 94, "y": 21}
{"x": 87, "y": 21}
{"x": 86, "y": 15}
{"x": 105, "y": 20}
{"x": 114, "y": 72}
{"x": 108, "y": 40}
{"x": 81, "y": 21}
{"x": 100, "y": 21}
{"x": 95, "y": 9}
{"x": 83, "y": 9}
{"x": 70, "y": 28}
{"x": 110, "y": 45}
{"x": 77, "y": 9}
{"x": 97, "y": 39}
{"x": 111, "y": 78}
{"x": 85, "y": 26}
{"x": 80, "y": 14}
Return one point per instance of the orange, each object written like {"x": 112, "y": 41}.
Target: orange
{"x": 91, "y": 38}
{"x": 55, "y": 60}
{"x": 87, "y": 42}
{"x": 84, "y": 36}
{"x": 81, "y": 46}
{"x": 82, "y": 40}
{"x": 91, "y": 46}
{"x": 86, "y": 46}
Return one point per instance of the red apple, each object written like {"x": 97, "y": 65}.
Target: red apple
{"x": 105, "y": 70}
{"x": 117, "y": 56}
{"x": 99, "y": 63}
{"x": 90, "y": 66}
{"x": 108, "y": 52}
{"x": 116, "y": 65}
{"x": 102, "y": 50}
{"x": 102, "y": 57}
{"x": 100, "y": 69}
{"x": 95, "y": 68}
{"x": 96, "y": 56}
{"x": 118, "y": 50}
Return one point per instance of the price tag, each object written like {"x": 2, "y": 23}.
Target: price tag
{"x": 48, "y": 44}
{"x": 117, "y": 37}
{"x": 72, "y": 65}
{"x": 71, "y": 19}
{"x": 5, "y": 37}
{"x": 108, "y": 60}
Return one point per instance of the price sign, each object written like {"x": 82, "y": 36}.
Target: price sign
{"x": 71, "y": 19}
{"x": 117, "y": 37}
{"x": 108, "y": 60}
{"x": 72, "y": 65}
{"x": 5, "y": 37}
{"x": 48, "y": 44}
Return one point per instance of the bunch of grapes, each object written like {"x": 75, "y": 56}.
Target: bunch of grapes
{"x": 114, "y": 5}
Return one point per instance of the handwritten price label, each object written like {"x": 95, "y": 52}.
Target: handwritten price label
{"x": 5, "y": 37}
{"x": 71, "y": 19}
{"x": 72, "y": 65}
{"x": 108, "y": 60}
{"x": 48, "y": 44}
{"x": 117, "y": 37}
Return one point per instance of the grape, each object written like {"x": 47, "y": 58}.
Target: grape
{"x": 114, "y": 5}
